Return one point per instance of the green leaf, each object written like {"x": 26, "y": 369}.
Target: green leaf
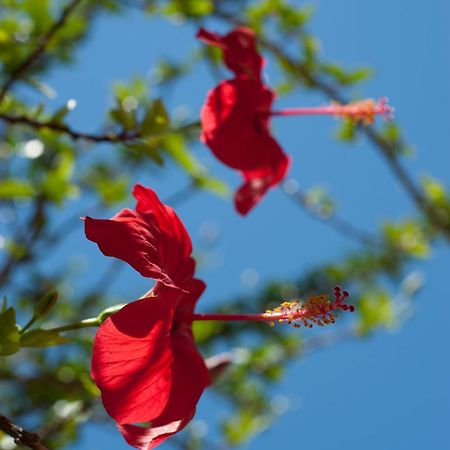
{"x": 156, "y": 118}
{"x": 347, "y": 131}
{"x": 11, "y": 189}
{"x": 57, "y": 186}
{"x": 346, "y": 77}
{"x": 9, "y": 332}
{"x": 407, "y": 236}
{"x": 375, "y": 310}
{"x": 195, "y": 8}
{"x": 125, "y": 118}
{"x": 112, "y": 190}
{"x": 42, "y": 338}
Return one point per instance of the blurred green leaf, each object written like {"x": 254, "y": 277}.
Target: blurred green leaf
{"x": 347, "y": 130}
{"x": 9, "y": 332}
{"x": 57, "y": 186}
{"x": 42, "y": 338}
{"x": 375, "y": 310}
{"x": 408, "y": 236}
{"x": 189, "y": 8}
{"x": 11, "y": 189}
{"x": 346, "y": 77}
{"x": 156, "y": 118}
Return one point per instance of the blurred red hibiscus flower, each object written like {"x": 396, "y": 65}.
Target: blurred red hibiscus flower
{"x": 235, "y": 117}
{"x": 235, "y": 123}
{"x": 145, "y": 361}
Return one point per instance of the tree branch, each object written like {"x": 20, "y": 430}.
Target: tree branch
{"x": 62, "y": 128}
{"x": 21, "y": 436}
{"x": 335, "y": 222}
{"x": 36, "y": 54}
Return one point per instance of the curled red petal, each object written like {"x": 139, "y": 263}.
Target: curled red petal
{"x": 132, "y": 361}
{"x": 234, "y": 125}
{"x": 148, "y": 204}
{"x": 240, "y": 52}
{"x": 151, "y": 239}
{"x": 148, "y": 438}
{"x": 258, "y": 182}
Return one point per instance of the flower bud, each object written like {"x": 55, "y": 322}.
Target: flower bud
{"x": 45, "y": 304}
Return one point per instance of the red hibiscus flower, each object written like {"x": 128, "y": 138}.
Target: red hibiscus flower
{"x": 151, "y": 239}
{"x": 147, "y": 366}
{"x": 235, "y": 118}
{"x": 145, "y": 361}
{"x": 235, "y": 123}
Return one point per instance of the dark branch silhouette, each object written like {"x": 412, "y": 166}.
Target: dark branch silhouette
{"x": 62, "y": 128}
{"x": 21, "y": 436}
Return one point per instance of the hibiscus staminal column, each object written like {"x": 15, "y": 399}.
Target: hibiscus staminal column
{"x": 318, "y": 310}
{"x": 363, "y": 111}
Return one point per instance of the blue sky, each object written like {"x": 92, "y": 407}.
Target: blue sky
{"x": 390, "y": 391}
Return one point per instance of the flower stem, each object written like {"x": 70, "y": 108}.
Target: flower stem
{"x": 29, "y": 324}
{"x": 92, "y": 322}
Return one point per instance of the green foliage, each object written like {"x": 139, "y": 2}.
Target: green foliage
{"x": 12, "y": 189}
{"x": 346, "y": 131}
{"x": 346, "y": 77}
{"x": 375, "y": 310}
{"x": 189, "y": 8}
{"x": 9, "y": 332}
{"x": 42, "y": 338}
{"x": 408, "y": 237}
{"x": 141, "y": 134}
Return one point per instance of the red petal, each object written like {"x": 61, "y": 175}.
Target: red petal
{"x": 148, "y": 204}
{"x": 146, "y": 363}
{"x": 151, "y": 239}
{"x": 259, "y": 181}
{"x": 132, "y": 362}
{"x": 239, "y": 51}
{"x": 148, "y": 438}
{"x": 190, "y": 375}
{"x": 233, "y": 126}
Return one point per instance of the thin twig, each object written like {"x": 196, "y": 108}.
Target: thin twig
{"x": 339, "y": 224}
{"x": 21, "y": 436}
{"x": 62, "y": 128}
{"x": 36, "y": 54}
